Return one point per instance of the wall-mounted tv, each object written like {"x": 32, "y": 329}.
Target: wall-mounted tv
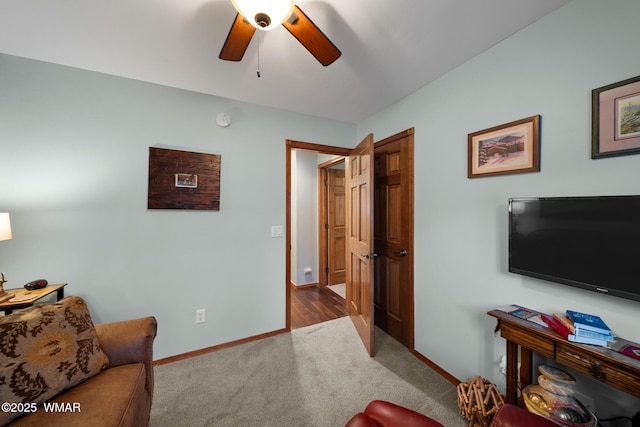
{"x": 591, "y": 243}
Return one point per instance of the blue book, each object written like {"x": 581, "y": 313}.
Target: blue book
{"x": 585, "y": 340}
{"x": 589, "y": 322}
{"x": 586, "y": 333}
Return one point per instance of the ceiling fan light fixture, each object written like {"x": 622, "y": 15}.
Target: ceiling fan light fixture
{"x": 264, "y": 14}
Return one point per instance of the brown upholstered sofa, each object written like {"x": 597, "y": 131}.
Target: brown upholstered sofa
{"x": 59, "y": 369}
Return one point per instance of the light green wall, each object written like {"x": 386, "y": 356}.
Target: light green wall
{"x": 74, "y": 147}
{"x": 74, "y": 150}
{"x": 549, "y": 68}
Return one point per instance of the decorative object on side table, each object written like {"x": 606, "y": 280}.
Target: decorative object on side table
{"x": 553, "y": 399}
{"x": 479, "y": 400}
{"x": 4, "y": 295}
{"x": 5, "y": 234}
{"x": 616, "y": 119}
{"x": 506, "y": 149}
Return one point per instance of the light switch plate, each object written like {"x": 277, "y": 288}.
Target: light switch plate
{"x": 276, "y": 231}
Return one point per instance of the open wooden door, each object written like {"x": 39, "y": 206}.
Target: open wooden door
{"x": 393, "y": 237}
{"x": 360, "y": 255}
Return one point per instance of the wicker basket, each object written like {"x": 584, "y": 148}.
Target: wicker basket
{"x": 479, "y": 400}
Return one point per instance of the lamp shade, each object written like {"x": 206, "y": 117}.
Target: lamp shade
{"x": 264, "y": 14}
{"x": 5, "y": 226}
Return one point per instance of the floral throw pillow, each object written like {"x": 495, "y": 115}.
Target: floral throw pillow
{"x": 46, "y": 349}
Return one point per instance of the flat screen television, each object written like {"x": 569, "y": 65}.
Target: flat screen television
{"x": 591, "y": 243}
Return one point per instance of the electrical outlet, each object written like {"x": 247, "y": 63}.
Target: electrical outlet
{"x": 503, "y": 364}
{"x": 201, "y": 315}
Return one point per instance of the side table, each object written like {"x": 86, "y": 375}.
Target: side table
{"x": 524, "y": 338}
{"x": 23, "y": 298}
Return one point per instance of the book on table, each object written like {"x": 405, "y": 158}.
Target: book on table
{"x": 586, "y": 333}
{"x": 587, "y": 340}
{"x": 557, "y": 326}
{"x": 628, "y": 348}
{"x": 562, "y": 318}
{"x": 589, "y": 322}
{"x": 523, "y": 313}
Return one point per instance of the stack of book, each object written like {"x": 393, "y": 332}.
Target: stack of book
{"x": 589, "y": 329}
{"x": 572, "y": 325}
{"x": 559, "y": 323}
{"x": 580, "y": 327}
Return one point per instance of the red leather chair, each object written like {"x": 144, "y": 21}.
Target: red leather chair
{"x": 379, "y": 413}
{"x": 513, "y": 416}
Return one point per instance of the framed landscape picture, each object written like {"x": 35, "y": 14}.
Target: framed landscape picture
{"x": 506, "y": 149}
{"x": 616, "y": 119}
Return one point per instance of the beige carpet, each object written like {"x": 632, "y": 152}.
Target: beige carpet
{"x": 317, "y": 376}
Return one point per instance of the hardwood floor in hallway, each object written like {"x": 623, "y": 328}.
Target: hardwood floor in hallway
{"x": 313, "y": 304}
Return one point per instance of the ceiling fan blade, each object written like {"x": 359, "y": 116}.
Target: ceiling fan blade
{"x": 311, "y": 37}
{"x": 237, "y": 40}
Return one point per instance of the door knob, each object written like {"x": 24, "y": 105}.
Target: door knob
{"x": 369, "y": 256}
{"x": 403, "y": 252}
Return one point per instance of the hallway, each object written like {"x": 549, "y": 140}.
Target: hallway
{"x": 312, "y": 304}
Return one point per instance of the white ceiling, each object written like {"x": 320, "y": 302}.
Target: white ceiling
{"x": 390, "y": 48}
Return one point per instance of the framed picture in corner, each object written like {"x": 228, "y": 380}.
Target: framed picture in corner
{"x": 506, "y": 149}
{"x": 616, "y": 119}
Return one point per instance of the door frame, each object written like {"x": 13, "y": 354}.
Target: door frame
{"x": 298, "y": 145}
{"x": 322, "y": 219}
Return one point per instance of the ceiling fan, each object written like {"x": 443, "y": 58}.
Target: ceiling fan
{"x": 267, "y": 15}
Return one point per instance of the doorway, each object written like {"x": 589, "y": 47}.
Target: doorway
{"x": 393, "y": 231}
{"x": 291, "y": 235}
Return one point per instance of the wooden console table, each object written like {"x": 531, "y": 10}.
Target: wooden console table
{"x": 608, "y": 366}
{"x": 23, "y": 298}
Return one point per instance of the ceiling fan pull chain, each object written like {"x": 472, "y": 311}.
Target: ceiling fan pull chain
{"x": 259, "y": 43}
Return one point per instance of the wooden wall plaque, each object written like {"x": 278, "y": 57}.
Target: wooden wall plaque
{"x": 183, "y": 180}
